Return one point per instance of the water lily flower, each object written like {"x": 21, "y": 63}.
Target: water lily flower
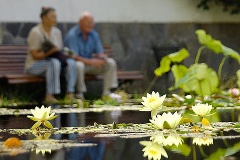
{"x": 234, "y": 92}
{"x": 206, "y": 123}
{"x": 43, "y": 151}
{"x": 167, "y": 140}
{"x": 202, "y": 109}
{"x": 153, "y": 102}
{"x": 207, "y": 140}
{"x": 166, "y": 120}
{"x": 153, "y": 150}
{"x": 41, "y": 136}
{"x": 42, "y": 116}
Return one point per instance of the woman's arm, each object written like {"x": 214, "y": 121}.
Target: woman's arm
{"x": 38, "y": 55}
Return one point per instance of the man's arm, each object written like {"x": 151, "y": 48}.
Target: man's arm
{"x": 97, "y": 62}
{"x": 71, "y": 42}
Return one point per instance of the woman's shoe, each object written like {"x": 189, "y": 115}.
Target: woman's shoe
{"x": 50, "y": 100}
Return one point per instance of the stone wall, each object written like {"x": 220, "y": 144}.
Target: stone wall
{"x": 132, "y": 45}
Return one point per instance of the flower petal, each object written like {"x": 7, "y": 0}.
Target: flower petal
{"x": 47, "y": 124}
{"x": 37, "y": 124}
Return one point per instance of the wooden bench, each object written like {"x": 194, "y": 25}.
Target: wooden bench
{"x": 12, "y": 61}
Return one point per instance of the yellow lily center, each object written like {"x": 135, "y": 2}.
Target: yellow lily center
{"x": 152, "y": 99}
{"x": 153, "y": 152}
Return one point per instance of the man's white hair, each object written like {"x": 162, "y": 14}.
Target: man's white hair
{"x": 85, "y": 14}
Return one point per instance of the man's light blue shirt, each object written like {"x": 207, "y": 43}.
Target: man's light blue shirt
{"x": 84, "y": 48}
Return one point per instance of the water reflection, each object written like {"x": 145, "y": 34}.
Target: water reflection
{"x": 72, "y": 143}
{"x": 203, "y": 140}
{"x": 197, "y": 146}
{"x": 83, "y": 153}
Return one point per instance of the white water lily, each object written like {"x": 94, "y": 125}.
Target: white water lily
{"x": 167, "y": 140}
{"x": 202, "y": 109}
{"x": 41, "y": 136}
{"x": 42, "y": 116}
{"x": 207, "y": 140}
{"x": 153, "y": 102}
{"x": 172, "y": 120}
{"x": 43, "y": 151}
{"x": 153, "y": 150}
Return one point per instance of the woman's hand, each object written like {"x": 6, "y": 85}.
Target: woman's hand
{"x": 51, "y": 51}
{"x": 38, "y": 55}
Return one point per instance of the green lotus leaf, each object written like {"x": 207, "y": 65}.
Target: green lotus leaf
{"x": 200, "y": 69}
{"x": 205, "y": 87}
{"x": 186, "y": 82}
{"x": 203, "y": 38}
{"x": 164, "y": 66}
{"x": 180, "y": 71}
{"x": 207, "y": 80}
{"x": 215, "y": 46}
{"x": 208, "y": 41}
{"x": 230, "y": 52}
{"x": 166, "y": 61}
{"x": 200, "y": 79}
{"x": 178, "y": 56}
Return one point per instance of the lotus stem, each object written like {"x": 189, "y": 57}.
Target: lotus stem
{"x": 221, "y": 65}
{"x": 224, "y": 140}
{"x": 199, "y": 53}
{"x": 202, "y": 152}
{"x": 200, "y": 88}
{"x": 151, "y": 85}
{"x": 194, "y": 152}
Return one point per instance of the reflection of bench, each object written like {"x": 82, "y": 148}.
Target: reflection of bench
{"x": 12, "y": 60}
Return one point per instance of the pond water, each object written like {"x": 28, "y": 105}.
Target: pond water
{"x": 89, "y": 134}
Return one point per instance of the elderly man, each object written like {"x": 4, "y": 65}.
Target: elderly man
{"x": 90, "y": 57}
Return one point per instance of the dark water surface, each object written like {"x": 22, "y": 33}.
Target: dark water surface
{"x": 110, "y": 147}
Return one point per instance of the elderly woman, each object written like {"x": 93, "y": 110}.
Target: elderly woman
{"x": 42, "y": 62}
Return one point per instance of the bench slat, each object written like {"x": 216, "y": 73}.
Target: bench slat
{"x": 12, "y": 62}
